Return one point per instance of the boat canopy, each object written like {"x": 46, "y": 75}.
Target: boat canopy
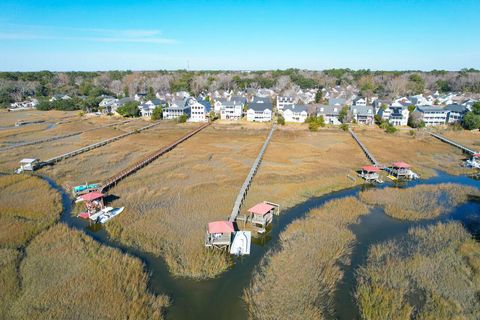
{"x": 220, "y": 227}
{"x": 401, "y": 164}
{"x": 92, "y": 196}
{"x": 370, "y": 169}
{"x": 261, "y": 209}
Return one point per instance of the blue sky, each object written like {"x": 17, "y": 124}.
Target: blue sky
{"x": 239, "y": 35}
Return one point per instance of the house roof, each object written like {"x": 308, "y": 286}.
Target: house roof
{"x": 92, "y": 196}
{"x": 220, "y": 227}
{"x": 330, "y": 110}
{"x": 206, "y": 104}
{"x": 456, "y": 108}
{"x": 334, "y": 101}
{"x": 261, "y": 209}
{"x": 297, "y": 108}
{"x": 28, "y": 160}
{"x": 424, "y": 109}
{"x": 260, "y": 106}
{"x": 370, "y": 169}
{"x": 401, "y": 164}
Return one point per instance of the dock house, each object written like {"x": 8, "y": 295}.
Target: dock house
{"x": 260, "y": 215}
{"x": 402, "y": 170}
{"x": 218, "y": 234}
{"x": 370, "y": 173}
{"x": 93, "y": 203}
{"x": 28, "y": 164}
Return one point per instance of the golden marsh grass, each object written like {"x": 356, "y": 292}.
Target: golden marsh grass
{"x": 298, "y": 280}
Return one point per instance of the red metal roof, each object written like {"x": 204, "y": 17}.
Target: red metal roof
{"x": 370, "y": 168}
{"x": 220, "y": 227}
{"x": 260, "y": 208}
{"x": 402, "y": 165}
{"x": 92, "y": 196}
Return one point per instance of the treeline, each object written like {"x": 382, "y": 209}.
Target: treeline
{"x": 17, "y": 86}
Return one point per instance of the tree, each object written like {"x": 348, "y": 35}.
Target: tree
{"x": 129, "y": 109}
{"x": 182, "y": 119}
{"x": 318, "y": 96}
{"x": 315, "y": 122}
{"x": 157, "y": 113}
{"x": 416, "y": 83}
{"x": 415, "y": 120}
{"x": 281, "y": 120}
{"x": 342, "y": 115}
{"x": 150, "y": 94}
{"x": 471, "y": 121}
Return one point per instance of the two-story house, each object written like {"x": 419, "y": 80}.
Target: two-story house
{"x": 295, "y": 113}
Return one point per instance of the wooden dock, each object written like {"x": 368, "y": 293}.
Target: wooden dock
{"x": 29, "y": 143}
{"x": 73, "y": 153}
{"x": 370, "y": 156}
{"x": 246, "y": 184}
{"x": 109, "y": 183}
{"x": 453, "y": 143}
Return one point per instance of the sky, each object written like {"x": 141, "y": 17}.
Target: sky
{"x": 239, "y": 35}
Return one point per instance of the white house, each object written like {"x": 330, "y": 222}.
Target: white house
{"x": 146, "y": 109}
{"x": 432, "y": 115}
{"x": 284, "y": 101}
{"x": 420, "y": 100}
{"x": 359, "y": 102}
{"x": 260, "y": 110}
{"x": 399, "y": 115}
{"x": 199, "y": 110}
{"x": 140, "y": 96}
{"x": 455, "y": 113}
{"x": 295, "y": 113}
{"x": 329, "y": 113}
{"x": 176, "y": 108}
{"x": 363, "y": 114}
{"x": 232, "y": 109}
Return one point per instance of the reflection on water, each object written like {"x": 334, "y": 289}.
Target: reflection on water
{"x": 220, "y": 298}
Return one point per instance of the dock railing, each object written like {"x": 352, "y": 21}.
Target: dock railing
{"x": 107, "y": 184}
{"x": 246, "y": 184}
{"x": 70, "y": 154}
{"x": 453, "y": 143}
{"x": 76, "y": 133}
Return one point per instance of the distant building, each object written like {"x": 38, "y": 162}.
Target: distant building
{"x": 199, "y": 110}
{"x": 284, "y": 101}
{"x": 399, "y": 116}
{"x": 432, "y": 116}
{"x": 295, "y": 113}
{"x": 260, "y": 110}
{"x": 176, "y": 108}
{"x": 359, "y": 102}
{"x": 455, "y": 113}
{"x": 329, "y": 113}
{"x": 363, "y": 114}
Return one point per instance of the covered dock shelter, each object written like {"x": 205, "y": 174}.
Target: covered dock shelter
{"x": 93, "y": 203}
{"x": 260, "y": 215}
{"x": 403, "y": 170}
{"x": 370, "y": 173}
{"x": 218, "y": 234}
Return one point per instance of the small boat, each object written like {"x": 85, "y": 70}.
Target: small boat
{"x": 107, "y": 216}
{"x": 241, "y": 243}
{"x": 97, "y": 214}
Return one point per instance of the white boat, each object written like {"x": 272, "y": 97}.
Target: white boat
{"x": 97, "y": 214}
{"x": 474, "y": 162}
{"x": 241, "y": 243}
{"x": 110, "y": 214}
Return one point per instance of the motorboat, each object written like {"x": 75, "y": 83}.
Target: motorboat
{"x": 241, "y": 243}
{"x": 107, "y": 216}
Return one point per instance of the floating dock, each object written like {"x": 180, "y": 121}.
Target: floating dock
{"x": 107, "y": 184}
{"x": 246, "y": 185}
{"x": 29, "y": 143}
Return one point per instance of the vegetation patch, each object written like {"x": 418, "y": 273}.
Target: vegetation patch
{"x": 67, "y": 275}
{"x": 298, "y": 280}
{"x": 419, "y": 202}
{"x": 28, "y": 205}
{"x": 431, "y": 273}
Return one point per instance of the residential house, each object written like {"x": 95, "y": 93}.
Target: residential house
{"x": 295, "y": 113}
{"x": 359, "y": 102}
{"x": 106, "y": 104}
{"x": 399, "y": 115}
{"x": 232, "y": 109}
{"x": 199, "y": 110}
{"x": 420, "y": 100}
{"x": 176, "y": 108}
{"x": 432, "y": 115}
{"x": 140, "y": 96}
{"x": 362, "y": 114}
{"x": 329, "y": 113}
{"x": 260, "y": 110}
{"x": 146, "y": 109}
{"x": 284, "y": 101}
{"x": 60, "y": 97}
{"x": 455, "y": 113}
{"x": 338, "y": 102}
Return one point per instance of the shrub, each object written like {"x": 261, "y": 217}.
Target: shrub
{"x": 129, "y": 109}
{"x": 344, "y": 127}
{"x": 157, "y": 113}
{"x": 182, "y": 119}
{"x": 281, "y": 120}
{"x": 315, "y": 122}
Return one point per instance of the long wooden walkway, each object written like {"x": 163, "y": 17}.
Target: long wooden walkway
{"x": 73, "y": 153}
{"x": 453, "y": 143}
{"x": 109, "y": 183}
{"x": 365, "y": 150}
{"x": 246, "y": 184}
{"x": 29, "y": 143}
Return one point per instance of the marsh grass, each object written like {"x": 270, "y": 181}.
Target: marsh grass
{"x": 432, "y": 273}
{"x": 419, "y": 202}
{"x": 425, "y": 153}
{"x": 299, "y": 279}
{"x": 27, "y": 206}
{"x": 67, "y": 275}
